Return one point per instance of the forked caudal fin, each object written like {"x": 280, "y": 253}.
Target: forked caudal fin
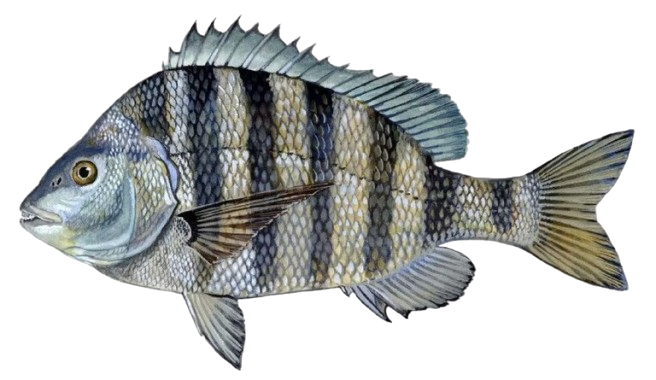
{"x": 571, "y": 185}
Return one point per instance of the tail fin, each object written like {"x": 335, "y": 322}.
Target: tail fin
{"x": 571, "y": 185}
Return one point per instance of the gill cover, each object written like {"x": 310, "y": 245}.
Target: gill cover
{"x": 148, "y": 180}
{"x": 154, "y": 182}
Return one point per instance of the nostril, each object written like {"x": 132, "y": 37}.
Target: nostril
{"x": 56, "y": 182}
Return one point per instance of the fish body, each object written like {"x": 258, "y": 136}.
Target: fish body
{"x": 274, "y": 132}
{"x": 246, "y": 168}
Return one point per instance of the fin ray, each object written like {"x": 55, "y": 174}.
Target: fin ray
{"x": 430, "y": 281}
{"x": 571, "y": 185}
{"x": 223, "y": 229}
{"x": 221, "y": 322}
{"x": 412, "y": 105}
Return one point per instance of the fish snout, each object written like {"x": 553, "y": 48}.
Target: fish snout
{"x": 33, "y": 216}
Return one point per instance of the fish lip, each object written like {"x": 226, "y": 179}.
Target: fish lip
{"x": 34, "y": 216}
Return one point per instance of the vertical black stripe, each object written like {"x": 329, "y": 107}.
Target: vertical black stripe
{"x": 441, "y": 202}
{"x": 378, "y": 243}
{"x": 502, "y": 198}
{"x": 203, "y": 133}
{"x": 322, "y": 141}
{"x": 152, "y": 95}
{"x": 263, "y": 174}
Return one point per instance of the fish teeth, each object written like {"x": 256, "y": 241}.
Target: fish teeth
{"x": 27, "y": 217}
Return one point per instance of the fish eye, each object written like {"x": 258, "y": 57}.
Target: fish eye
{"x": 84, "y": 173}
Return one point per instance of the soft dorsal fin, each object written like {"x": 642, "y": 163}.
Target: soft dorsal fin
{"x": 220, "y": 230}
{"x": 421, "y": 111}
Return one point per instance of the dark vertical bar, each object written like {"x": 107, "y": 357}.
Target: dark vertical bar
{"x": 203, "y": 133}
{"x": 320, "y": 106}
{"x": 502, "y": 198}
{"x": 377, "y": 248}
{"x": 441, "y": 202}
{"x": 152, "y": 96}
{"x": 260, "y": 146}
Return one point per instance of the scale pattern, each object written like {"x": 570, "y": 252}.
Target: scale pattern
{"x": 234, "y": 132}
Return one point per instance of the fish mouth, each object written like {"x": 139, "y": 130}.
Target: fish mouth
{"x": 34, "y": 217}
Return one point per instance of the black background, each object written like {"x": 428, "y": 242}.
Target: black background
{"x": 527, "y": 96}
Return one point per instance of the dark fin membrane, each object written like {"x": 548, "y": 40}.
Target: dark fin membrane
{"x": 571, "y": 185}
{"x": 223, "y": 229}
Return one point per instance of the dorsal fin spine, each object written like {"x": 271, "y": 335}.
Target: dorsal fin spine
{"x": 233, "y": 40}
{"x": 337, "y": 77}
{"x": 322, "y": 69}
{"x": 236, "y": 48}
{"x": 291, "y": 48}
{"x": 313, "y": 67}
{"x": 331, "y": 73}
{"x": 275, "y": 34}
{"x": 224, "y": 37}
{"x": 256, "y": 50}
{"x": 256, "y": 28}
{"x": 420, "y": 111}
{"x": 215, "y": 52}
{"x": 299, "y": 57}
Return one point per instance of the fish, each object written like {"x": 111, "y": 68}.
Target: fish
{"x": 247, "y": 168}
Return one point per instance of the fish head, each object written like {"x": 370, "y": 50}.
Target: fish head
{"x": 107, "y": 198}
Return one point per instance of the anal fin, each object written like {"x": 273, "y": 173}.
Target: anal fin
{"x": 346, "y": 290}
{"x": 368, "y": 298}
{"x": 221, "y": 322}
{"x": 433, "y": 280}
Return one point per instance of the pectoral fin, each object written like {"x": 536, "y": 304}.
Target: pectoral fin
{"x": 221, "y": 322}
{"x": 223, "y": 229}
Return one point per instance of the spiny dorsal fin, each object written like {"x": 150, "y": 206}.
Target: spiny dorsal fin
{"x": 223, "y": 229}
{"x": 421, "y": 111}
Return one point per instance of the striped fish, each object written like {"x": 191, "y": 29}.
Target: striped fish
{"x": 248, "y": 168}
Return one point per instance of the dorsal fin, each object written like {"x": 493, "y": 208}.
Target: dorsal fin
{"x": 422, "y": 112}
